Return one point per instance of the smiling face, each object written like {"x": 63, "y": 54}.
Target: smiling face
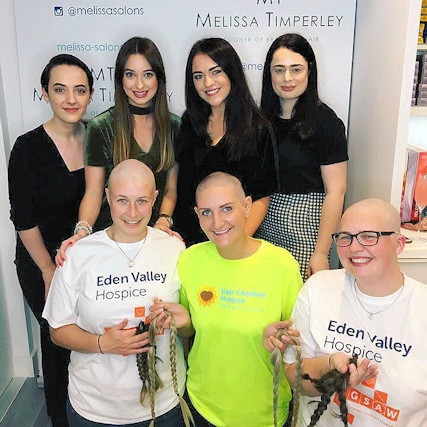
{"x": 131, "y": 195}
{"x": 372, "y": 264}
{"x": 289, "y": 74}
{"x": 139, "y": 81}
{"x": 211, "y": 82}
{"x": 68, "y": 93}
{"x": 222, "y": 209}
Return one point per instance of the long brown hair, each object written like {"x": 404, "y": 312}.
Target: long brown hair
{"x": 123, "y": 118}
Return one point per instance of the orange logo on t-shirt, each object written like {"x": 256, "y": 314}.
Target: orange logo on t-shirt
{"x": 139, "y": 312}
{"x": 376, "y": 403}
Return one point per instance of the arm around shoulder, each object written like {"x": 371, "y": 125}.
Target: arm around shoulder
{"x": 88, "y": 210}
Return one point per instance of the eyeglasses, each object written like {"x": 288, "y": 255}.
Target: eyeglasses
{"x": 365, "y": 238}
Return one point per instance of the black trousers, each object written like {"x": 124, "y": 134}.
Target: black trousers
{"x": 202, "y": 422}
{"x": 55, "y": 359}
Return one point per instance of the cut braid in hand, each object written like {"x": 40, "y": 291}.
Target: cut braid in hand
{"x": 142, "y": 363}
{"x": 154, "y": 381}
{"x": 277, "y": 362}
{"x": 328, "y": 384}
{"x": 297, "y": 383}
{"x": 186, "y": 413}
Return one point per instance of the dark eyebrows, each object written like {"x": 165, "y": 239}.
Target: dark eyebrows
{"x": 210, "y": 69}
{"x": 62, "y": 85}
{"x": 133, "y": 71}
{"x": 292, "y": 65}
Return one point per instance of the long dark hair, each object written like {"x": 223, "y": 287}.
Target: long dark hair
{"x": 305, "y": 110}
{"x": 64, "y": 59}
{"x": 242, "y": 117}
{"x": 123, "y": 119}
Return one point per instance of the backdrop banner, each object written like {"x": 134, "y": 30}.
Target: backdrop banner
{"x": 94, "y": 31}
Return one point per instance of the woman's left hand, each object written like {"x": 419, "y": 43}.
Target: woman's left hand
{"x": 164, "y": 311}
{"x": 163, "y": 224}
{"x": 364, "y": 370}
{"x": 269, "y": 336}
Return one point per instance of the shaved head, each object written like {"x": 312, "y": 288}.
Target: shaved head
{"x": 377, "y": 210}
{"x": 222, "y": 209}
{"x": 131, "y": 195}
{"x": 375, "y": 267}
{"x": 132, "y": 171}
{"x": 221, "y": 179}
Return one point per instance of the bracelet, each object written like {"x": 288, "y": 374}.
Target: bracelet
{"x": 83, "y": 225}
{"x": 168, "y": 217}
{"x": 99, "y": 345}
{"x": 329, "y": 361}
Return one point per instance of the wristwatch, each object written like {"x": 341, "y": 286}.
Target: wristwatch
{"x": 168, "y": 217}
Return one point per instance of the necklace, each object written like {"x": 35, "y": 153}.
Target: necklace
{"x": 371, "y": 314}
{"x": 141, "y": 111}
{"x": 215, "y": 133}
{"x": 131, "y": 261}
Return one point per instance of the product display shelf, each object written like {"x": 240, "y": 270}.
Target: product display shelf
{"x": 416, "y": 110}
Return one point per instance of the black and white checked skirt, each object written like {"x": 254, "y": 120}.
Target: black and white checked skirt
{"x": 292, "y": 222}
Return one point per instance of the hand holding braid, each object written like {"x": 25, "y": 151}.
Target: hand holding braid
{"x": 146, "y": 363}
{"x": 142, "y": 363}
{"x": 186, "y": 413}
{"x": 165, "y": 315}
{"x": 282, "y": 334}
{"x": 333, "y": 381}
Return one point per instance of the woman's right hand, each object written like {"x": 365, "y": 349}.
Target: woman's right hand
{"x": 124, "y": 341}
{"x": 60, "y": 253}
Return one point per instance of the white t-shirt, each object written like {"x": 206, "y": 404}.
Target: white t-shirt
{"x": 331, "y": 319}
{"x": 96, "y": 289}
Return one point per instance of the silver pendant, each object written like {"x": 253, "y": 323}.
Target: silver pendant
{"x": 130, "y": 263}
{"x": 371, "y": 316}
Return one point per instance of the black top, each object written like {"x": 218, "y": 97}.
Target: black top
{"x": 42, "y": 191}
{"x": 257, "y": 172}
{"x": 300, "y": 161}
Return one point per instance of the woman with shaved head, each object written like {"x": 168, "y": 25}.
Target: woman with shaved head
{"x": 232, "y": 287}
{"x": 99, "y": 297}
{"x": 373, "y": 311}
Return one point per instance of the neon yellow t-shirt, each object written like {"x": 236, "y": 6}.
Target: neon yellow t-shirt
{"x": 230, "y": 377}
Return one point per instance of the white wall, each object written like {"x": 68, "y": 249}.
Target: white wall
{"x": 383, "y": 66}
{"x": 11, "y": 120}
{"x": 6, "y": 348}
{"x": 249, "y": 25}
